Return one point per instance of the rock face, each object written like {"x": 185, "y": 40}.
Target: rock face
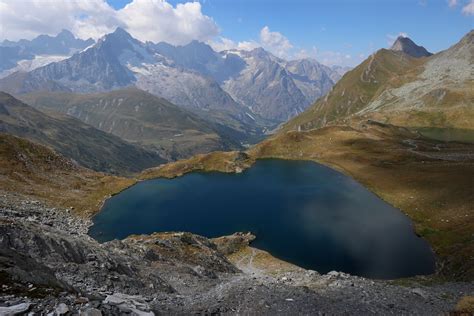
{"x": 269, "y": 86}
{"x": 406, "y": 45}
{"x": 277, "y": 89}
{"x": 266, "y": 87}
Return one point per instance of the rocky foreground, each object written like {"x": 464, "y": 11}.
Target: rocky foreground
{"x": 49, "y": 265}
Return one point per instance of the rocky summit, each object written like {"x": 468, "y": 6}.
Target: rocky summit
{"x": 406, "y": 45}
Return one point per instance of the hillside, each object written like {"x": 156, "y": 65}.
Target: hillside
{"x": 34, "y": 170}
{"x": 142, "y": 118}
{"x": 393, "y": 87}
{"x": 85, "y": 144}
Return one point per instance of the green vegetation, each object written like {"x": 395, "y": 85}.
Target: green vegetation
{"x": 142, "y": 118}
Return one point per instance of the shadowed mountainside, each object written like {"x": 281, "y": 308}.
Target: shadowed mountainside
{"x": 85, "y": 144}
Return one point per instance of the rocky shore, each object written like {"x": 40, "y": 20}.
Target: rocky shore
{"x": 49, "y": 265}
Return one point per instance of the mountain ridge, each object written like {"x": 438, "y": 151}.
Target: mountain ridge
{"x": 85, "y": 144}
{"x": 406, "y": 45}
{"x": 394, "y": 87}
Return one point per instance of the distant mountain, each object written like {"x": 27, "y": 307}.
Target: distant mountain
{"x": 118, "y": 60}
{"x": 142, "y": 118}
{"x": 312, "y": 78}
{"x": 65, "y": 43}
{"x": 394, "y": 87}
{"x": 85, "y": 144}
{"x": 201, "y": 58}
{"x": 269, "y": 86}
{"x": 338, "y": 72}
{"x": 26, "y": 55}
{"x": 9, "y": 57}
{"x": 406, "y": 45}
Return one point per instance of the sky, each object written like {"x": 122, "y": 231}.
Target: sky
{"x": 334, "y": 32}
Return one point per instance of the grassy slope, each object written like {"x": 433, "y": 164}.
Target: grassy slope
{"x": 443, "y": 102}
{"x": 34, "y": 170}
{"x": 358, "y": 88}
{"x": 88, "y": 146}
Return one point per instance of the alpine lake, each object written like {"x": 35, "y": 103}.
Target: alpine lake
{"x": 301, "y": 212}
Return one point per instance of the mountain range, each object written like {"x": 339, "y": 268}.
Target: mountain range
{"x": 245, "y": 90}
{"x": 26, "y": 55}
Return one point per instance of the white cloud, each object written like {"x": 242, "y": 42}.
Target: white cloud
{"x": 27, "y": 19}
{"x": 154, "y": 20}
{"x": 157, "y": 20}
{"x": 222, "y": 43}
{"x": 147, "y": 20}
{"x": 452, "y": 3}
{"x": 306, "y": 53}
{"x": 275, "y": 42}
{"x": 329, "y": 58}
{"x": 248, "y": 45}
{"x": 468, "y": 9}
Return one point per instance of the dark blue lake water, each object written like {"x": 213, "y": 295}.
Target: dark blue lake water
{"x": 301, "y": 212}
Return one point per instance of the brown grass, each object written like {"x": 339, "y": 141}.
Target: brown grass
{"x": 215, "y": 161}
{"x": 38, "y": 172}
{"x": 466, "y": 305}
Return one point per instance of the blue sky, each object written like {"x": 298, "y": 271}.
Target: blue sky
{"x": 348, "y": 27}
{"x": 342, "y": 32}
